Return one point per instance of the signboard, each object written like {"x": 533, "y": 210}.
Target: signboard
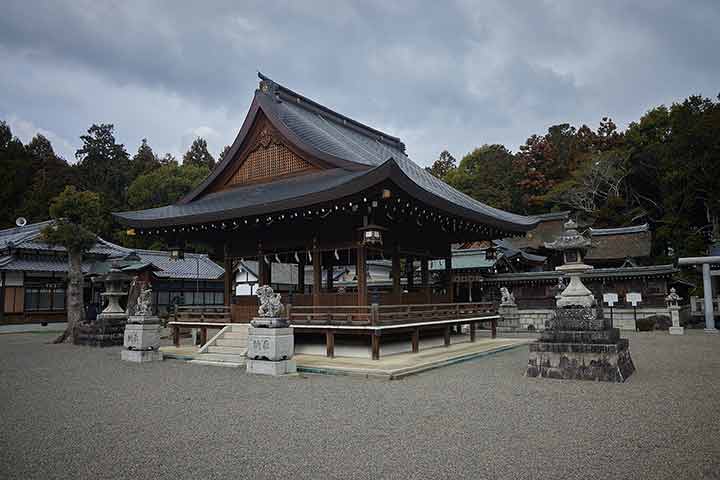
{"x": 610, "y": 298}
{"x": 633, "y": 298}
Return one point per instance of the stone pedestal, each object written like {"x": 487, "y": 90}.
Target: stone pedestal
{"x": 105, "y": 331}
{"x": 676, "y": 329}
{"x": 270, "y": 350}
{"x": 142, "y": 339}
{"x": 509, "y": 317}
{"x": 599, "y": 355}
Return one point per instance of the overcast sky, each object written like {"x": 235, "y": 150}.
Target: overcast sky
{"x": 440, "y": 75}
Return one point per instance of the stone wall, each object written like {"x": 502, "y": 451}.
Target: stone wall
{"x": 622, "y": 317}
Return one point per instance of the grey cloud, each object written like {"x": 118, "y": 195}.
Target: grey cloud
{"x": 443, "y": 75}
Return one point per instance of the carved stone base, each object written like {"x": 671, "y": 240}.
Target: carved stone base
{"x": 509, "y": 317}
{"x": 265, "y": 367}
{"x": 141, "y": 356}
{"x": 141, "y": 336}
{"x": 581, "y": 361}
{"x": 272, "y": 344}
{"x": 676, "y": 331}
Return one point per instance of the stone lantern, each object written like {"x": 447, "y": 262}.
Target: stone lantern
{"x": 573, "y": 246}
{"x": 578, "y": 343}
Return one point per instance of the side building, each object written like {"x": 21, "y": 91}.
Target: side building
{"x": 620, "y": 257}
{"x": 33, "y": 276}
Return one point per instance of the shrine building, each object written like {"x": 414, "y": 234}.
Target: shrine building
{"x": 303, "y": 185}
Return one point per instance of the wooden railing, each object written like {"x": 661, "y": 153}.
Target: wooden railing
{"x": 384, "y": 315}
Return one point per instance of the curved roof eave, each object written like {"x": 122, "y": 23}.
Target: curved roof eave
{"x": 355, "y": 183}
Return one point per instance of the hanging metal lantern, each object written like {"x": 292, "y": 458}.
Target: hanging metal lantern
{"x": 372, "y": 234}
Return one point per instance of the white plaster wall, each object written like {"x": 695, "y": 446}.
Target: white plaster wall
{"x": 13, "y": 279}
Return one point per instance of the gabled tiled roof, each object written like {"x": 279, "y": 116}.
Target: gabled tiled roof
{"x": 25, "y": 251}
{"x": 619, "y": 243}
{"x": 360, "y": 156}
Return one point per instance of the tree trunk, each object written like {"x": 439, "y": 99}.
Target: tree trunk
{"x": 74, "y": 296}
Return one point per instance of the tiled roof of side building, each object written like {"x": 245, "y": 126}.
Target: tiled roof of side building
{"x": 46, "y": 258}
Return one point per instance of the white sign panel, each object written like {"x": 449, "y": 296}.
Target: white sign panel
{"x": 633, "y": 298}
{"x": 610, "y": 298}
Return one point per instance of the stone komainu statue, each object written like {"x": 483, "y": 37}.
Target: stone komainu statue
{"x": 143, "y": 305}
{"x": 270, "y": 305}
{"x": 506, "y": 297}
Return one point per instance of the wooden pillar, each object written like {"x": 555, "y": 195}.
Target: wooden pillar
{"x": 410, "y": 272}
{"x": 229, "y": 278}
{"x": 301, "y": 273}
{"x": 329, "y": 274}
{"x": 397, "y": 288}
{"x": 262, "y": 267}
{"x": 317, "y": 273}
{"x": 329, "y": 343}
{"x": 375, "y": 345}
{"x": 361, "y": 274}
{"x": 450, "y": 278}
{"x": 415, "y": 340}
{"x": 425, "y": 278}
{"x": 447, "y": 335}
{"x": 470, "y": 297}
{"x": 473, "y": 328}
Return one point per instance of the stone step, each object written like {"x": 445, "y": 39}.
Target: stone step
{"x": 220, "y": 357}
{"x": 235, "y": 335}
{"x": 225, "y": 349}
{"x": 218, "y": 364}
{"x": 231, "y": 342}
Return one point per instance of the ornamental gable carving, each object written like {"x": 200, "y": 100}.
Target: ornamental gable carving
{"x": 267, "y": 158}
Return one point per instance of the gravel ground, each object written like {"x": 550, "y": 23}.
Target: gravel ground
{"x": 79, "y": 412}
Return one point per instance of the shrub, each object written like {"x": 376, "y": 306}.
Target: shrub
{"x": 645, "y": 324}
{"x": 662, "y": 322}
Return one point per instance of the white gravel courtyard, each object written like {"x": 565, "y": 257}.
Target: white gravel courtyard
{"x": 79, "y": 412}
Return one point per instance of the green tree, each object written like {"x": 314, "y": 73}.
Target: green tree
{"x": 15, "y": 175}
{"x": 77, "y": 215}
{"x": 104, "y": 166}
{"x": 488, "y": 174}
{"x": 199, "y": 155}
{"x": 443, "y": 165}
{"x": 165, "y": 185}
{"x": 50, "y": 176}
{"x": 144, "y": 160}
{"x": 224, "y": 153}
